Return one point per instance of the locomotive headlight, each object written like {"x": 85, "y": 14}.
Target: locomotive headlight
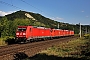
{"x": 17, "y": 33}
{"x": 24, "y": 33}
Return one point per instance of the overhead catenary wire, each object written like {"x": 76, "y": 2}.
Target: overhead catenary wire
{"x": 31, "y": 5}
{"x": 10, "y": 4}
{"x": 2, "y": 2}
{"x": 36, "y": 8}
{"x": 14, "y": 6}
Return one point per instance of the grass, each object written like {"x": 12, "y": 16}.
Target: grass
{"x": 76, "y": 48}
{"x": 2, "y": 42}
{"x": 4, "y": 39}
{"x": 63, "y": 49}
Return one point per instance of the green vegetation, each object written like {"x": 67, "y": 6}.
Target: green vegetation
{"x": 87, "y": 36}
{"x": 7, "y": 40}
{"x": 2, "y": 42}
{"x": 9, "y": 23}
{"x": 79, "y": 48}
{"x": 76, "y": 49}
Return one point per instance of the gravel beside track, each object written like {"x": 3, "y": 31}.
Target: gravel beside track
{"x": 30, "y": 49}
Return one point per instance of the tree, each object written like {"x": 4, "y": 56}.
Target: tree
{"x": 4, "y": 27}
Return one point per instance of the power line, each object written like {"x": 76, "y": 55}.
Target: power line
{"x": 36, "y": 7}
{"x": 9, "y": 4}
{"x": 31, "y": 5}
{"x": 2, "y": 2}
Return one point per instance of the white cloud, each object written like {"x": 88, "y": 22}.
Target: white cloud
{"x": 2, "y": 13}
{"x": 57, "y": 18}
{"x": 82, "y": 11}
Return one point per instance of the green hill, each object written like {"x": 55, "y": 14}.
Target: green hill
{"x": 39, "y": 19}
{"x": 9, "y": 23}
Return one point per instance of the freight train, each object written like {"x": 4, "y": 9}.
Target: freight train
{"x": 29, "y": 33}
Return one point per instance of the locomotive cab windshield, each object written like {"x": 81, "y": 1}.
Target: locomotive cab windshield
{"x": 21, "y": 29}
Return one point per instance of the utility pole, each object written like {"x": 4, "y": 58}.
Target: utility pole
{"x": 73, "y": 28}
{"x": 80, "y": 30}
{"x": 58, "y": 25}
{"x": 86, "y": 29}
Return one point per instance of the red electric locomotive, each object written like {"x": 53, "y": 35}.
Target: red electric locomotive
{"x": 28, "y": 33}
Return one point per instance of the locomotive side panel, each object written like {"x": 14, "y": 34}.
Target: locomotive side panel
{"x": 47, "y": 32}
{"x": 29, "y": 32}
{"x": 40, "y": 33}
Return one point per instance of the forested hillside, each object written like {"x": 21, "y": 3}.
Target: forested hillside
{"x": 9, "y": 23}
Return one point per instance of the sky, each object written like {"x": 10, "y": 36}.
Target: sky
{"x": 67, "y": 11}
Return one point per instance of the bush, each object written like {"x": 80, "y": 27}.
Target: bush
{"x": 10, "y": 40}
{"x": 2, "y": 41}
{"x": 87, "y": 36}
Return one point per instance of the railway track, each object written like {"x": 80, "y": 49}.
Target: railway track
{"x": 30, "y": 49}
